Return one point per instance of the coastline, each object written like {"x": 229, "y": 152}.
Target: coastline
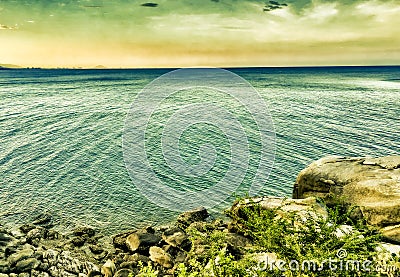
{"x": 196, "y": 243}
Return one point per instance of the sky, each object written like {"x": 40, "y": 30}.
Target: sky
{"x": 188, "y": 33}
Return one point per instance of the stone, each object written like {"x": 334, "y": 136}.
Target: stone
{"x": 119, "y": 240}
{"x": 237, "y": 244}
{"x": 393, "y": 249}
{"x": 27, "y": 227}
{"x": 4, "y": 266}
{"x": 54, "y": 271}
{"x": 343, "y": 231}
{"x": 137, "y": 258}
{"x": 51, "y": 256}
{"x": 19, "y": 256}
{"x": 84, "y": 231}
{"x": 37, "y": 233}
{"x": 36, "y": 273}
{"x": 180, "y": 257}
{"x": 391, "y": 233}
{"x": 158, "y": 255}
{"x": 283, "y": 207}
{"x": 175, "y": 237}
{"x": 26, "y": 265}
{"x": 53, "y": 235}
{"x": 141, "y": 240}
{"x": 94, "y": 273}
{"x": 96, "y": 249}
{"x": 5, "y": 239}
{"x": 42, "y": 219}
{"x": 187, "y": 218}
{"x": 372, "y": 184}
{"x": 78, "y": 241}
{"x": 124, "y": 273}
{"x": 65, "y": 273}
{"x": 108, "y": 269}
{"x": 128, "y": 265}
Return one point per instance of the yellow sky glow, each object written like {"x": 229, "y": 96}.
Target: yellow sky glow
{"x": 318, "y": 33}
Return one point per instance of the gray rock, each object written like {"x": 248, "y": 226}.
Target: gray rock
{"x": 284, "y": 207}
{"x": 175, "y": 237}
{"x": 19, "y": 256}
{"x": 27, "y": 227}
{"x": 180, "y": 257}
{"x": 59, "y": 263}
{"x": 343, "y": 231}
{"x": 64, "y": 273}
{"x": 141, "y": 240}
{"x": 94, "y": 274}
{"x": 4, "y": 266}
{"x": 96, "y": 249}
{"x": 26, "y": 265}
{"x": 187, "y": 218}
{"x": 108, "y": 269}
{"x": 5, "y": 239}
{"x": 84, "y": 231}
{"x": 158, "y": 255}
{"x": 42, "y": 219}
{"x": 393, "y": 249}
{"x": 51, "y": 256}
{"x": 54, "y": 271}
{"x": 36, "y": 234}
{"x": 128, "y": 265}
{"x": 124, "y": 273}
{"x": 136, "y": 258}
{"x": 78, "y": 241}
{"x": 373, "y": 184}
{"x": 52, "y": 235}
{"x": 36, "y": 273}
{"x": 119, "y": 240}
{"x": 392, "y": 233}
{"x": 237, "y": 244}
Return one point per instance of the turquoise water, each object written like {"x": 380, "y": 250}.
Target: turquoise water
{"x": 61, "y": 136}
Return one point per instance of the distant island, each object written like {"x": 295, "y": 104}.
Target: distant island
{"x": 13, "y": 66}
{"x": 9, "y": 66}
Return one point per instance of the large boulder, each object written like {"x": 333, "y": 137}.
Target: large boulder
{"x": 372, "y": 184}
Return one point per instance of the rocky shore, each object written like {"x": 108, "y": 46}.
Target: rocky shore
{"x": 365, "y": 189}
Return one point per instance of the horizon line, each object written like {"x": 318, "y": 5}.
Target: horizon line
{"x": 16, "y": 67}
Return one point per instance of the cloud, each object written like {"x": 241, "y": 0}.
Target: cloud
{"x": 150, "y": 5}
{"x": 230, "y": 30}
{"x": 273, "y": 5}
{"x": 92, "y": 6}
{"x": 5, "y": 27}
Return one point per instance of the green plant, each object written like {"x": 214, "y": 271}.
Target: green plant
{"x": 147, "y": 271}
{"x": 310, "y": 241}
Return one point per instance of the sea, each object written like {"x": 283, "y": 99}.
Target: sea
{"x": 62, "y": 130}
